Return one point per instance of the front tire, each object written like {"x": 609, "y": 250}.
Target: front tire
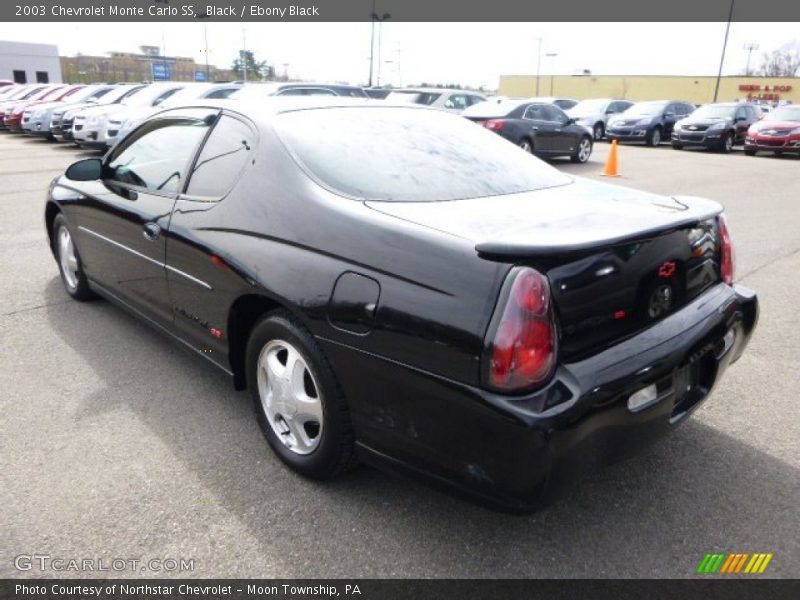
{"x": 726, "y": 145}
{"x": 677, "y": 146}
{"x": 583, "y": 152}
{"x": 297, "y": 399}
{"x": 598, "y": 131}
{"x": 69, "y": 261}
{"x": 654, "y": 139}
{"x": 749, "y": 152}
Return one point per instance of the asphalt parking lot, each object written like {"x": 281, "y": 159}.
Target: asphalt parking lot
{"x": 117, "y": 444}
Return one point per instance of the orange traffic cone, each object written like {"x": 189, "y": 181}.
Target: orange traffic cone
{"x": 610, "y": 169}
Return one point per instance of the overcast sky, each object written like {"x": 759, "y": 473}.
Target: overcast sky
{"x": 468, "y": 53}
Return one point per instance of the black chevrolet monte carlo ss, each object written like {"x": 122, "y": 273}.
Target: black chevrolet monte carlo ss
{"x": 398, "y": 286}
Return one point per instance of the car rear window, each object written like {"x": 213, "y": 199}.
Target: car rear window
{"x": 409, "y": 155}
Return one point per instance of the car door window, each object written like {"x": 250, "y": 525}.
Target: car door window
{"x": 554, "y": 114}
{"x": 156, "y": 156}
{"x": 535, "y": 113}
{"x": 222, "y": 159}
{"x": 457, "y": 101}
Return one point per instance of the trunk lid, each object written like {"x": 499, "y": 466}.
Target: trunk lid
{"x": 617, "y": 259}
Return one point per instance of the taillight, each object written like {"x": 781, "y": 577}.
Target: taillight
{"x": 494, "y": 124}
{"x": 520, "y": 352}
{"x": 727, "y": 257}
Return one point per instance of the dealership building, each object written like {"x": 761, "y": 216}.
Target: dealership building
{"x": 23, "y": 62}
{"x": 699, "y": 90}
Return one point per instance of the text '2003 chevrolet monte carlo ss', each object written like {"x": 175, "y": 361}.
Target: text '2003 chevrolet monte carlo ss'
{"x": 402, "y": 287}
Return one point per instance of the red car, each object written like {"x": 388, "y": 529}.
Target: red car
{"x": 778, "y": 132}
{"x": 13, "y": 111}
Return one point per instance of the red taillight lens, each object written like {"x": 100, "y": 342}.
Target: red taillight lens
{"x": 521, "y": 350}
{"x": 494, "y": 124}
{"x": 727, "y": 258}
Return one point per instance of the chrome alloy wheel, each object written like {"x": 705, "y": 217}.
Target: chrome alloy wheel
{"x": 290, "y": 397}
{"x": 67, "y": 258}
{"x": 584, "y": 150}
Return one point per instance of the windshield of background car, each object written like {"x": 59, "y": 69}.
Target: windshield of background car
{"x": 588, "y": 107}
{"x": 645, "y": 109}
{"x": 424, "y": 98}
{"x": 409, "y": 155}
{"x": 147, "y": 95}
{"x": 711, "y": 112}
{"x": 784, "y": 114}
{"x": 117, "y": 94}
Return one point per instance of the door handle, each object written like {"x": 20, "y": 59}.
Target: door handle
{"x": 151, "y": 231}
{"x": 535, "y": 128}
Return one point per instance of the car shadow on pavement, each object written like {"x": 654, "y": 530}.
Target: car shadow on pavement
{"x": 655, "y": 515}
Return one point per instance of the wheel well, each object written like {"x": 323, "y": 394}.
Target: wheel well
{"x": 49, "y": 216}
{"x": 244, "y": 314}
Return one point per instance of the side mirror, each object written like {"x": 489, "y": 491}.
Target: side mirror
{"x": 610, "y": 111}
{"x": 569, "y": 121}
{"x": 669, "y": 115}
{"x": 88, "y": 169}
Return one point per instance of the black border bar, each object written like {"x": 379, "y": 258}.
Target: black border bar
{"x": 701, "y": 588}
{"x": 401, "y": 10}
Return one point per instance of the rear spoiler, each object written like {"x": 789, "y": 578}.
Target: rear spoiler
{"x": 503, "y": 251}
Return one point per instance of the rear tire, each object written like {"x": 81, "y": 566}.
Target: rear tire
{"x": 726, "y": 145}
{"x": 301, "y": 410}
{"x": 526, "y": 145}
{"x": 69, "y": 261}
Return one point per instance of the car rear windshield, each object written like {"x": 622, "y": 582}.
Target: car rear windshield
{"x": 409, "y": 155}
{"x": 784, "y": 114}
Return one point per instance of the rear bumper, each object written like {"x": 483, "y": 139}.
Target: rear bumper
{"x": 516, "y": 452}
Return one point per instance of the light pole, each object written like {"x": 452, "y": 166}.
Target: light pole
{"x": 380, "y": 20}
{"x": 538, "y": 65}
{"x": 724, "y": 46}
{"x": 749, "y": 47}
{"x": 372, "y": 43}
{"x": 552, "y": 57}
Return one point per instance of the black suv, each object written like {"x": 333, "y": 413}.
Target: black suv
{"x": 648, "y": 122}
{"x": 715, "y": 126}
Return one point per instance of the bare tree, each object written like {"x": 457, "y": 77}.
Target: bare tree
{"x": 782, "y": 62}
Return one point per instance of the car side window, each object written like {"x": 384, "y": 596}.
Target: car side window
{"x": 157, "y": 155}
{"x": 222, "y": 159}
{"x": 741, "y": 113}
{"x": 554, "y": 114}
{"x": 458, "y": 101}
{"x": 534, "y": 113}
